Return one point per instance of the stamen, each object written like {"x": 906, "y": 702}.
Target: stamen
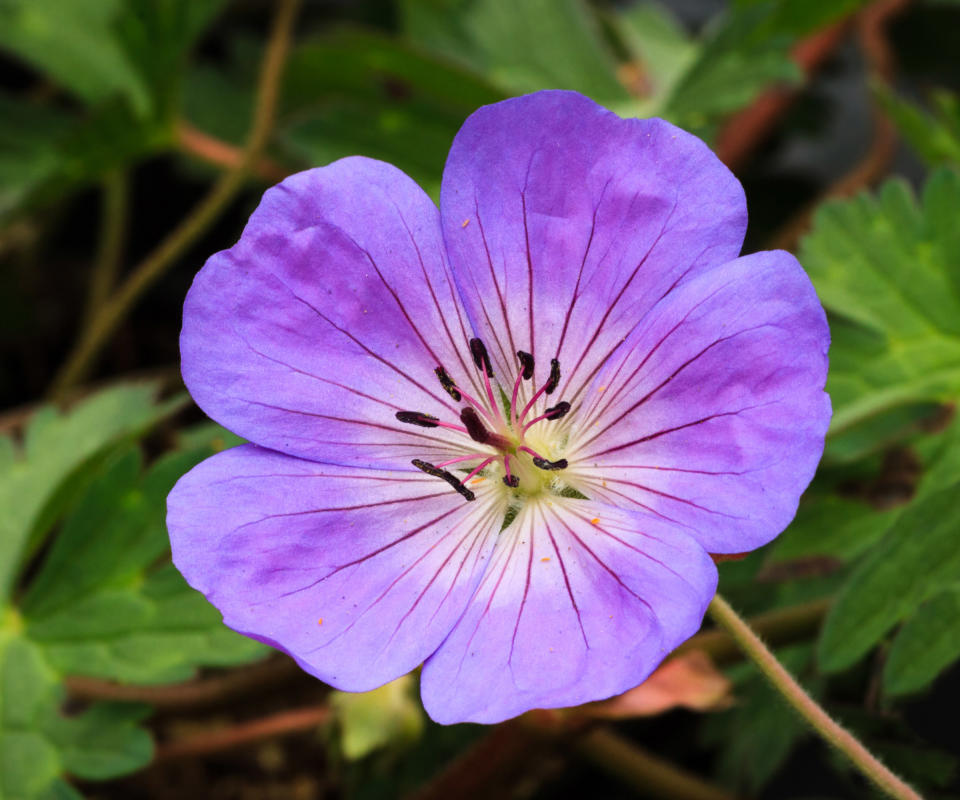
{"x": 480, "y": 357}
{"x": 418, "y": 418}
{"x": 547, "y": 388}
{"x": 474, "y": 426}
{"x": 457, "y": 393}
{"x": 426, "y": 421}
{"x": 559, "y": 411}
{"x": 554, "y": 379}
{"x": 449, "y": 477}
{"x": 526, "y": 360}
{"x": 513, "y": 481}
{"x": 554, "y": 412}
{"x": 447, "y": 382}
{"x": 542, "y": 463}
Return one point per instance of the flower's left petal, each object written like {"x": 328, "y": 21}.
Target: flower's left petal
{"x": 712, "y": 414}
{"x": 329, "y": 316}
{"x": 358, "y": 574}
{"x": 581, "y": 601}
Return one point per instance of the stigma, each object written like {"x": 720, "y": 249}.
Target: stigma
{"x": 505, "y": 439}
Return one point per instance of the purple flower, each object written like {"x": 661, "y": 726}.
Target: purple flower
{"x": 502, "y": 438}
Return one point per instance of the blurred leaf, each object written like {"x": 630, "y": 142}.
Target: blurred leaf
{"x": 927, "y": 643}
{"x": 75, "y": 42}
{"x": 522, "y": 47}
{"x": 828, "y": 525}
{"x": 934, "y": 136}
{"x": 29, "y": 692}
{"x": 660, "y": 54}
{"x": 207, "y": 436}
{"x": 29, "y": 140}
{"x": 102, "y": 742}
{"x": 157, "y": 36}
{"x": 766, "y": 728}
{"x": 354, "y": 92}
{"x": 56, "y": 448}
{"x": 873, "y": 434}
{"x": 45, "y": 155}
{"x": 891, "y": 269}
{"x": 371, "y": 720}
{"x": 916, "y": 559}
{"x": 38, "y": 743}
{"x": 101, "y": 608}
{"x": 790, "y": 17}
{"x": 738, "y": 59}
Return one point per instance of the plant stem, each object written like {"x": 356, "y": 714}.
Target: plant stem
{"x": 115, "y": 309}
{"x": 113, "y": 230}
{"x": 806, "y": 706}
{"x": 650, "y": 775}
{"x": 780, "y": 626}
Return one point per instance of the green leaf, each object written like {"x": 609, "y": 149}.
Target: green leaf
{"x": 29, "y": 691}
{"x": 522, "y": 47}
{"x": 934, "y": 136}
{"x": 798, "y": 19}
{"x": 75, "y": 42}
{"x": 157, "y": 36}
{"x": 356, "y": 92}
{"x": 738, "y": 59}
{"x": 828, "y": 525}
{"x": 889, "y": 269}
{"x": 29, "y": 141}
{"x": 371, "y": 720}
{"x": 103, "y": 742}
{"x": 659, "y": 49}
{"x": 45, "y": 155}
{"x": 37, "y": 483}
{"x": 38, "y": 743}
{"x": 927, "y": 644}
{"x": 100, "y": 606}
{"x": 916, "y": 559}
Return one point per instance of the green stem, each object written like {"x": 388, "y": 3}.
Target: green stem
{"x": 115, "y": 309}
{"x": 113, "y": 229}
{"x": 806, "y": 706}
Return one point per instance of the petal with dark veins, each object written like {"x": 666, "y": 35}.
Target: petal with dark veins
{"x": 358, "y": 574}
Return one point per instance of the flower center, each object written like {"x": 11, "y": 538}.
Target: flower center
{"x": 498, "y": 435}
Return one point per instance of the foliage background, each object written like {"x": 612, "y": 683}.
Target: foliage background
{"x": 136, "y": 137}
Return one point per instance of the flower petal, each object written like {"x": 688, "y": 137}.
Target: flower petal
{"x": 564, "y": 223}
{"x": 580, "y": 602}
{"x": 712, "y": 414}
{"x": 329, "y": 316}
{"x": 358, "y": 574}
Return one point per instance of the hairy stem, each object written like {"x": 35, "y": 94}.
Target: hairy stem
{"x": 833, "y": 733}
{"x": 115, "y": 309}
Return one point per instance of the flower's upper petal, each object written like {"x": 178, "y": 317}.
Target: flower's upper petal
{"x": 564, "y": 223}
{"x": 358, "y": 574}
{"x": 713, "y": 413}
{"x": 580, "y": 602}
{"x": 328, "y": 316}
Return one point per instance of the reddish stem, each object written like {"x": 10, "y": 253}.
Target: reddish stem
{"x": 283, "y": 724}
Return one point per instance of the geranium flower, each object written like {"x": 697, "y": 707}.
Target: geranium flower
{"x": 502, "y": 438}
